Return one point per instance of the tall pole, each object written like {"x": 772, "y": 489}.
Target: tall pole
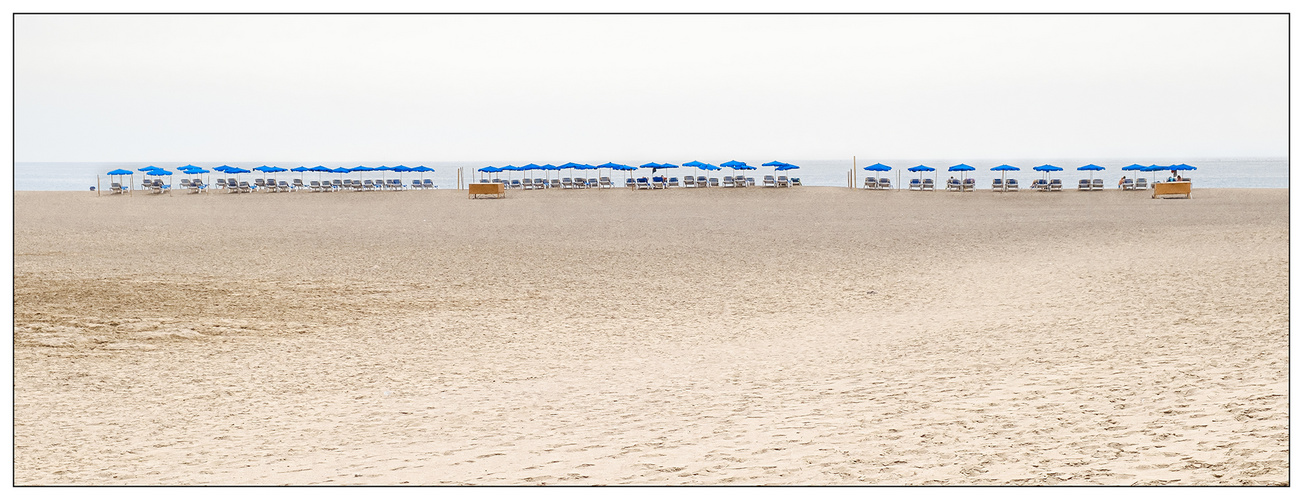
{"x": 854, "y": 165}
{"x": 97, "y": 184}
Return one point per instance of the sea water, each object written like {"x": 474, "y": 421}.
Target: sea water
{"x": 1211, "y": 173}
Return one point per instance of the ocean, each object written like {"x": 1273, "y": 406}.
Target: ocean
{"x": 1211, "y": 173}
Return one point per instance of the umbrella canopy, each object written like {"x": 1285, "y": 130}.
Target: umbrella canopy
{"x": 774, "y": 163}
{"x": 962, "y": 168}
{"x": 1182, "y": 166}
{"x": 159, "y": 172}
{"x": 265, "y": 168}
{"x": 340, "y": 170}
{"x": 733, "y": 164}
{"x": 319, "y": 168}
{"x": 878, "y": 167}
{"x": 146, "y": 169}
{"x": 693, "y": 163}
{"x": 195, "y": 170}
{"x": 361, "y": 168}
{"x": 789, "y": 166}
{"x": 223, "y": 168}
{"x": 1134, "y": 166}
{"x": 236, "y": 170}
{"x": 1047, "y": 168}
{"x": 121, "y": 172}
{"x": 921, "y": 168}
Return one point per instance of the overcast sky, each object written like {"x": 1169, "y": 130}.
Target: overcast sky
{"x": 582, "y": 88}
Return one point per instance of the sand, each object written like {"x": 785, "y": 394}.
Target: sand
{"x": 760, "y": 336}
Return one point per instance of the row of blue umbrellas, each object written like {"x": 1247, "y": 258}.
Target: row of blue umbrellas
{"x": 1004, "y": 169}
{"x": 194, "y": 170}
{"x": 735, "y": 165}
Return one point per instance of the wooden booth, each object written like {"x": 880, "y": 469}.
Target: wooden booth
{"x": 1181, "y": 188}
{"x": 493, "y": 188}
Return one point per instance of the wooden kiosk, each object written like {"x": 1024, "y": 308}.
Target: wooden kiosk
{"x": 493, "y": 188}
{"x": 1179, "y": 188}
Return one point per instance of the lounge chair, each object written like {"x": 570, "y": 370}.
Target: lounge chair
{"x": 1128, "y": 184}
{"x": 884, "y": 183}
{"x": 915, "y": 185}
{"x": 672, "y": 182}
{"x": 997, "y": 185}
{"x": 751, "y": 181}
{"x": 870, "y": 183}
{"x": 1056, "y": 184}
{"x": 702, "y": 182}
{"x": 297, "y": 184}
{"x": 796, "y": 181}
{"x": 970, "y": 184}
{"x": 592, "y": 182}
{"x": 1083, "y": 185}
{"x": 115, "y": 188}
{"x": 689, "y": 181}
{"x": 1142, "y": 183}
{"x": 928, "y": 185}
{"x": 728, "y": 181}
{"x": 629, "y": 183}
{"x": 283, "y": 186}
{"x": 185, "y": 183}
{"x": 515, "y": 184}
{"x": 769, "y": 181}
{"x": 658, "y": 182}
{"x": 1097, "y": 185}
{"x": 643, "y": 183}
{"x": 714, "y": 182}
{"x": 953, "y": 185}
{"x": 554, "y": 184}
{"x": 315, "y": 186}
{"x": 245, "y": 187}
{"x": 1011, "y": 185}
{"x": 336, "y": 185}
{"x": 783, "y": 182}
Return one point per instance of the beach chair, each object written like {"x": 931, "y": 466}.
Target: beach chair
{"x": 643, "y": 183}
{"x": 672, "y": 182}
{"x": 367, "y": 185}
{"x": 115, "y": 188}
{"x": 314, "y": 186}
{"x": 629, "y": 183}
{"x": 796, "y": 181}
{"x": 297, "y": 184}
{"x": 970, "y": 184}
{"x": 997, "y": 185}
{"x": 702, "y": 182}
{"x": 658, "y": 182}
{"x": 283, "y": 186}
{"x": 567, "y": 183}
{"x": 260, "y": 184}
{"x": 769, "y": 181}
{"x": 1128, "y": 184}
{"x": 1083, "y": 185}
{"x": 197, "y": 186}
{"x": 185, "y": 183}
{"x": 782, "y": 182}
{"x": 428, "y": 184}
{"x": 953, "y": 185}
{"x": 884, "y": 183}
{"x": 515, "y": 184}
{"x": 1056, "y": 184}
{"x": 689, "y": 181}
{"x": 870, "y": 183}
{"x": 245, "y": 187}
{"x": 1011, "y": 185}
{"x": 728, "y": 181}
{"x": 713, "y": 182}
{"x": 1142, "y": 183}
{"x": 1097, "y": 185}
{"x": 927, "y": 185}
{"x": 221, "y": 183}
{"x": 592, "y": 183}
{"x": 915, "y": 185}
{"x": 751, "y": 181}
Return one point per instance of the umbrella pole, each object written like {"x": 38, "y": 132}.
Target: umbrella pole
{"x": 97, "y": 185}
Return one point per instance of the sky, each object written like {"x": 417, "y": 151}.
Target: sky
{"x": 557, "y": 88}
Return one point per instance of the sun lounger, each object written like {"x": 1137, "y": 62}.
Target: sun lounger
{"x": 728, "y": 181}
{"x": 592, "y": 182}
{"x": 1097, "y": 185}
{"x": 567, "y": 182}
{"x": 1128, "y": 184}
{"x": 796, "y": 181}
{"x": 870, "y": 183}
{"x": 1083, "y": 185}
{"x": 783, "y": 182}
{"x": 751, "y": 181}
{"x": 970, "y": 184}
{"x": 769, "y": 181}
{"x": 315, "y": 186}
{"x": 702, "y": 182}
{"x": 714, "y": 182}
{"x": 185, "y": 183}
{"x": 928, "y": 185}
{"x": 658, "y": 182}
{"x": 672, "y": 182}
{"x": 245, "y": 187}
{"x": 1056, "y": 184}
{"x": 1142, "y": 183}
{"x": 297, "y": 184}
{"x": 1011, "y": 184}
{"x": 997, "y": 185}
{"x": 884, "y": 183}
{"x": 283, "y": 186}
{"x": 953, "y": 185}
{"x": 689, "y": 181}
{"x": 643, "y": 183}
{"x": 915, "y": 185}
{"x": 115, "y": 188}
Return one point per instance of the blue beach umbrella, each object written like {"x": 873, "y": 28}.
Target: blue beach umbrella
{"x": 121, "y": 172}
{"x": 1004, "y": 169}
{"x": 920, "y": 169}
{"x": 1047, "y": 168}
{"x": 695, "y": 165}
{"x": 1092, "y": 168}
{"x": 146, "y": 169}
{"x": 962, "y": 168}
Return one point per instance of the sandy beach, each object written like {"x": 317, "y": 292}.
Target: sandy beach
{"x": 810, "y": 335}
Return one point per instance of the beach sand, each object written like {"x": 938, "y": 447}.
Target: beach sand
{"x": 760, "y": 336}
